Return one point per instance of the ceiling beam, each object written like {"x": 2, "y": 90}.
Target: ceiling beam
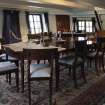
{"x": 60, "y": 4}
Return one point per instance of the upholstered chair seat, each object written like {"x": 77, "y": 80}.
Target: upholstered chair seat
{"x": 39, "y": 70}
{"x": 7, "y": 66}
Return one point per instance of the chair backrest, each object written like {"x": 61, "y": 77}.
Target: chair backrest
{"x": 101, "y": 42}
{"x": 40, "y": 54}
{"x": 81, "y": 48}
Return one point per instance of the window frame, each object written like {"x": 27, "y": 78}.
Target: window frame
{"x": 80, "y": 19}
{"x": 33, "y": 14}
{"x": 85, "y": 27}
{"x": 89, "y": 26}
{"x": 81, "y": 25}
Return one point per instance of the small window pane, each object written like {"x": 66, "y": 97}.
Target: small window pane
{"x": 38, "y": 18}
{"x": 32, "y": 31}
{"x": 87, "y": 24}
{"x": 83, "y": 28}
{"x": 35, "y": 18}
{"x": 90, "y": 29}
{"x": 31, "y": 24}
{"x": 30, "y": 18}
{"x": 79, "y": 23}
{"x": 83, "y": 23}
{"x": 37, "y": 25}
{"x": 38, "y": 30}
{"x": 87, "y": 29}
{"x": 80, "y": 28}
{"x": 91, "y": 24}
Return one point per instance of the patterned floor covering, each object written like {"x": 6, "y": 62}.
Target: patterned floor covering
{"x": 90, "y": 93}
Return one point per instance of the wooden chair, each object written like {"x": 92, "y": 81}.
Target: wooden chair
{"x": 40, "y": 71}
{"x": 7, "y": 68}
{"x": 5, "y": 56}
{"x": 75, "y": 60}
{"x": 96, "y": 55}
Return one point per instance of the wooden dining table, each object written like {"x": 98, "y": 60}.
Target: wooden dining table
{"x": 16, "y": 50}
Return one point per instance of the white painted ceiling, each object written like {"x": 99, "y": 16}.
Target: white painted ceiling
{"x": 49, "y": 5}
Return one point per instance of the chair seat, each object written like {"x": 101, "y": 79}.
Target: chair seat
{"x": 3, "y": 57}
{"x": 70, "y": 60}
{"x": 39, "y": 70}
{"x": 7, "y": 66}
{"x": 93, "y": 54}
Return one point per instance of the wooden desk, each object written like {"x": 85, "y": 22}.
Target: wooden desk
{"x": 16, "y": 50}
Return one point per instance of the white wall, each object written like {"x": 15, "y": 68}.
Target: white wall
{"x": 23, "y": 26}
{"x": 103, "y": 21}
{"x": 52, "y": 23}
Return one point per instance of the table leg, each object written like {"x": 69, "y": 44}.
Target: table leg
{"x": 57, "y": 73}
{"x": 22, "y": 74}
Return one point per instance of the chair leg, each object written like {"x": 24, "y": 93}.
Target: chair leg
{"x": 83, "y": 73}
{"x": 44, "y": 61}
{"x": 69, "y": 71}
{"x": 74, "y": 77}
{"x": 103, "y": 64}
{"x": 17, "y": 80}
{"x": 57, "y": 76}
{"x": 50, "y": 94}
{"x": 90, "y": 63}
{"x": 29, "y": 91}
{"x": 9, "y": 78}
{"x": 87, "y": 64}
{"x": 38, "y": 61}
{"x": 96, "y": 66}
{"x": 100, "y": 62}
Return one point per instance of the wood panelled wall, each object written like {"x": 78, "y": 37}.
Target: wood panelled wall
{"x": 63, "y": 23}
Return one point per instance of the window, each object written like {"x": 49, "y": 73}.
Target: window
{"x": 88, "y": 26}
{"x": 35, "y": 23}
{"x": 85, "y": 25}
{"x": 81, "y": 25}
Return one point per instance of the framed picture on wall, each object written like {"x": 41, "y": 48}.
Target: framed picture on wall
{"x": 63, "y": 23}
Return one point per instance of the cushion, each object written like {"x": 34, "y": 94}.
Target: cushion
{"x": 3, "y": 57}
{"x": 69, "y": 60}
{"x": 40, "y": 70}
{"x": 92, "y": 54}
{"x": 5, "y": 66}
